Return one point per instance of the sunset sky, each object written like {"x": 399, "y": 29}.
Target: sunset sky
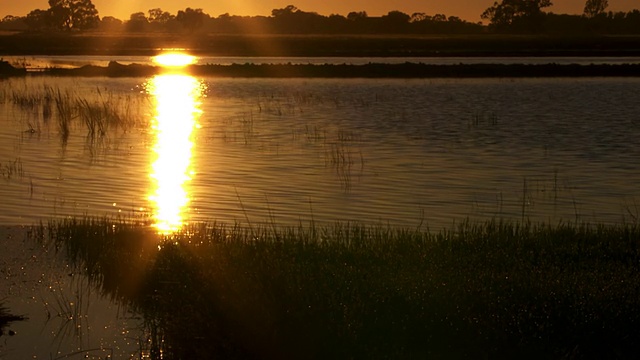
{"x": 466, "y": 9}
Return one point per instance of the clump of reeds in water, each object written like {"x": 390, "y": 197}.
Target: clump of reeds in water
{"x": 12, "y": 169}
{"x": 98, "y": 110}
{"x": 496, "y": 289}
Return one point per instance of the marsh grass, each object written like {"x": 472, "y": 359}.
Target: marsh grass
{"x": 12, "y": 169}
{"x": 97, "y": 110}
{"x": 477, "y": 290}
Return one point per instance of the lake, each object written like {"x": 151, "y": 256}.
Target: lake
{"x": 173, "y": 149}
{"x": 398, "y": 152}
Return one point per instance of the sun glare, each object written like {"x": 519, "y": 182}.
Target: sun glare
{"x": 176, "y": 112}
{"x": 174, "y": 59}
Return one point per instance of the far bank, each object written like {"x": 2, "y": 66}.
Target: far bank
{"x": 94, "y": 43}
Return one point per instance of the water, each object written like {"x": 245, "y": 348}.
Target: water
{"x": 399, "y": 152}
{"x": 67, "y": 318}
{"x": 402, "y": 152}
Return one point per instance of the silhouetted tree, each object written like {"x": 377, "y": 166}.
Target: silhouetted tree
{"x": 593, "y": 8}
{"x": 516, "y": 15}
{"x": 439, "y": 17}
{"x": 286, "y": 11}
{"x": 138, "y": 22}
{"x": 295, "y": 21}
{"x": 110, "y": 23}
{"x": 73, "y": 14}
{"x": 38, "y": 19}
{"x": 357, "y": 15}
{"x": 337, "y": 23}
{"x": 396, "y": 21}
{"x": 419, "y": 16}
{"x": 10, "y": 22}
{"x": 159, "y": 17}
{"x": 191, "y": 19}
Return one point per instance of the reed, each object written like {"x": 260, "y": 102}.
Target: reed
{"x": 65, "y": 112}
{"x": 98, "y": 111}
{"x": 12, "y": 169}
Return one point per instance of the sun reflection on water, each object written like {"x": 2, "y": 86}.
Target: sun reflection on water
{"x": 174, "y": 59}
{"x": 177, "y": 109}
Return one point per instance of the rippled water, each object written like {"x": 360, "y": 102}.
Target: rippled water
{"x": 66, "y": 317}
{"x": 403, "y": 152}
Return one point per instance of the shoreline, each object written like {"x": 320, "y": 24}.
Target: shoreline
{"x": 370, "y": 70}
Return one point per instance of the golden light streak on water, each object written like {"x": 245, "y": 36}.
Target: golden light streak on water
{"x": 177, "y": 109}
{"x": 174, "y": 59}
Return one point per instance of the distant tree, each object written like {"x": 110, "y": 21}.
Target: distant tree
{"x": 110, "y": 23}
{"x": 191, "y": 19}
{"x": 357, "y": 15}
{"x": 397, "y": 17}
{"x": 516, "y": 15}
{"x": 395, "y": 21}
{"x": 159, "y": 17}
{"x": 73, "y": 14}
{"x": 337, "y": 23}
{"x": 419, "y": 16}
{"x": 593, "y": 8}
{"x": 10, "y": 22}
{"x": 138, "y": 22}
{"x": 439, "y": 17}
{"x": 286, "y": 11}
{"x": 38, "y": 19}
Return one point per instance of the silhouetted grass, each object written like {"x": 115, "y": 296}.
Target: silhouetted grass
{"x": 489, "y": 290}
{"x": 6, "y": 318}
{"x": 100, "y": 112}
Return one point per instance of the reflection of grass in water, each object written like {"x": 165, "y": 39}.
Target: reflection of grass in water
{"x": 494, "y": 289}
{"x": 71, "y": 311}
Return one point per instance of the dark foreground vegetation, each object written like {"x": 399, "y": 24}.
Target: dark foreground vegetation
{"x": 490, "y": 290}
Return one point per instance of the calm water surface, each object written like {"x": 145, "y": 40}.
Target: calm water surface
{"x": 402, "y": 152}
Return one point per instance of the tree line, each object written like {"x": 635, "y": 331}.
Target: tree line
{"x": 506, "y": 16}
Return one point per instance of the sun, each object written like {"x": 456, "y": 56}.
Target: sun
{"x": 174, "y": 59}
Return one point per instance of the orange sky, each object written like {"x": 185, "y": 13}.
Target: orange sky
{"x": 466, "y": 9}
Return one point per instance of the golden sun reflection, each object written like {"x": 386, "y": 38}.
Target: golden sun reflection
{"x": 174, "y": 59}
{"x": 177, "y": 104}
